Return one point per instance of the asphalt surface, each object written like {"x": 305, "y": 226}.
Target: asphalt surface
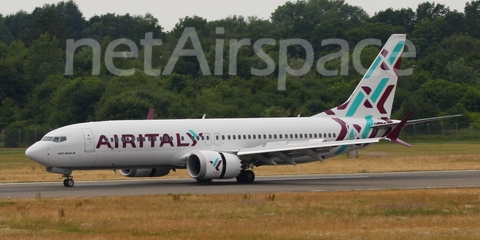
{"x": 295, "y": 183}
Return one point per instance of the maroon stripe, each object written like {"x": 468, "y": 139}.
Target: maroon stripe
{"x": 383, "y": 99}
{"x": 344, "y": 130}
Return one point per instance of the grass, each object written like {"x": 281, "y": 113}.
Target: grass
{"x": 382, "y": 157}
{"x": 394, "y": 214}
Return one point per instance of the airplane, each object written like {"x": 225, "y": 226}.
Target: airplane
{"x": 232, "y": 147}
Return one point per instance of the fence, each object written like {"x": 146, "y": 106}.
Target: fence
{"x": 21, "y": 137}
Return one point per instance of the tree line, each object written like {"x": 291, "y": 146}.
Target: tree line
{"x": 35, "y": 93}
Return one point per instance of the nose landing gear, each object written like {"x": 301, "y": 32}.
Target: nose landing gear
{"x": 68, "y": 182}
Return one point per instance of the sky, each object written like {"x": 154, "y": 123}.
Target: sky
{"x": 169, "y": 12}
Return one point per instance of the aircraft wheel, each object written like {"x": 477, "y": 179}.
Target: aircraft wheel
{"x": 68, "y": 182}
{"x": 249, "y": 176}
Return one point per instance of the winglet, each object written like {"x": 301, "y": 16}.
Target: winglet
{"x": 393, "y": 135}
{"x": 150, "y": 114}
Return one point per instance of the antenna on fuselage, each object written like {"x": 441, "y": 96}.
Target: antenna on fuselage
{"x": 150, "y": 114}
{"x": 204, "y": 116}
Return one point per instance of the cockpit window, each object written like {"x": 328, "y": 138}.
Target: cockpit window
{"x": 54, "y": 139}
{"x": 47, "y": 139}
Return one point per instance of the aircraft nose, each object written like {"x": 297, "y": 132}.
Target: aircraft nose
{"x": 33, "y": 152}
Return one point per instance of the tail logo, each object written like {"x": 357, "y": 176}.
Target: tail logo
{"x": 373, "y": 98}
{"x": 382, "y": 58}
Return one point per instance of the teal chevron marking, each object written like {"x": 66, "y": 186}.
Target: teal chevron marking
{"x": 215, "y": 163}
{"x": 395, "y": 52}
{"x": 367, "y": 126}
{"x": 356, "y": 103}
{"x": 374, "y": 66}
{"x": 341, "y": 149}
{"x": 193, "y": 133}
{"x": 379, "y": 89}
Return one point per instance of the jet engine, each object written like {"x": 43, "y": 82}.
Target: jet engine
{"x": 154, "y": 172}
{"x": 208, "y": 165}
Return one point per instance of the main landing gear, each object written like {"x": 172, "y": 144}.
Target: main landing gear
{"x": 68, "y": 182}
{"x": 246, "y": 176}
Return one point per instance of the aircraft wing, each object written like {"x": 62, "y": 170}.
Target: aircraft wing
{"x": 285, "y": 150}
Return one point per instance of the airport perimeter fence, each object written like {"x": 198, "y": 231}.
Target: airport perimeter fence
{"x": 424, "y": 132}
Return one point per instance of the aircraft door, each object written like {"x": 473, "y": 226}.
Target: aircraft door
{"x": 208, "y": 139}
{"x": 89, "y": 140}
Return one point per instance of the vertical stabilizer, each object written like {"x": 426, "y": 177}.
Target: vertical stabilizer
{"x": 374, "y": 95}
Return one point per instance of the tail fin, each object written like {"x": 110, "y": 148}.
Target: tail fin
{"x": 374, "y": 95}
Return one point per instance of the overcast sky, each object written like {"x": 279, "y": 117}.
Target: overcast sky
{"x": 168, "y": 12}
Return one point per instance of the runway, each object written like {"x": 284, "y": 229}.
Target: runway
{"x": 295, "y": 183}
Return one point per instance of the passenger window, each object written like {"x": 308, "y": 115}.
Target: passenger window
{"x": 280, "y": 135}
{"x": 291, "y": 136}
{"x": 301, "y": 135}
{"x": 233, "y": 137}
{"x": 296, "y": 136}
{"x": 244, "y": 137}
{"x": 239, "y": 137}
{"x": 275, "y": 136}
{"x": 203, "y": 138}
{"x": 216, "y": 137}
{"x": 254, "y": 136}
{"x": 325, "y": 135}
{"x": 182, "y": 138}
{"x": 264, "y": 136}
{"x": 269, "y": 136}
{"x": 329, "y": 135}
{"x": 208, "y": 137}
{"x": 249, "y": 137}
{"x": 111, "y": 139}
{"x": 223, "y": 137}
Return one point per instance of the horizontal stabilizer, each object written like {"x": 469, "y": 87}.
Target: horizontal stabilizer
{"x": 416, "y": 121}
{"x": 393, "y": 135}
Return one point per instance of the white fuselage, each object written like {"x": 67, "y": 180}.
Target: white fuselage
{"x": 156, "y": 143}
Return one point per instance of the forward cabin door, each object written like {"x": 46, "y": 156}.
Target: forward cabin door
{"x": 89, "y": 140}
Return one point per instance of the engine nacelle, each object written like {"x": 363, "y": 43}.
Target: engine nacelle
{"x": 207, "y": 165}
{"x": 154, "y": 172}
